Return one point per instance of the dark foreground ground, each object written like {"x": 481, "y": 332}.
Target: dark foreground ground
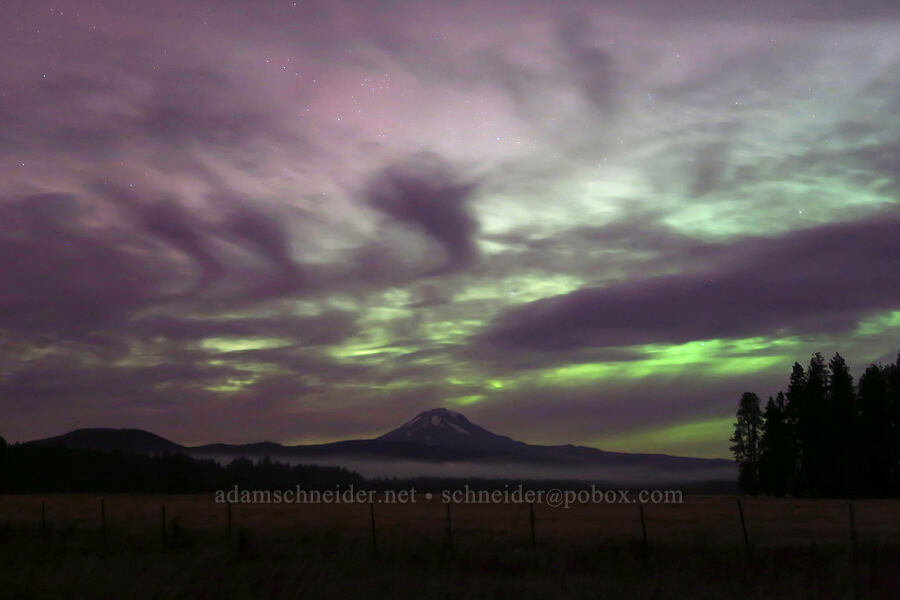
{"x": 799, "y": 549}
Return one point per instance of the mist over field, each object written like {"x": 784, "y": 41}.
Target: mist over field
{"x": 506, "y": 470}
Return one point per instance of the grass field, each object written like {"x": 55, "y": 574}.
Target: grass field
{"x": 800, "y": 549}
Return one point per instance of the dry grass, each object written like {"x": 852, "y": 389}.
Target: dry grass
{"x": 801, "y": 550}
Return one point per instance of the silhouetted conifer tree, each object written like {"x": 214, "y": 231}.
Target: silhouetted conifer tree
{"x": 794, "y": 409}
{"x": 776, "y": 462}
{"x": 815, "y": 468}
{"x": 745, "y": 441}
{"x": 892, "y": 377}
{"x": 873, "y": 433}
{"x": 839, "y": 424}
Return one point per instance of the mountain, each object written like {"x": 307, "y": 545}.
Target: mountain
{"x": 445, "y": 428}
{"x": 436, "y": 442}
{"x": 125, "y": 440}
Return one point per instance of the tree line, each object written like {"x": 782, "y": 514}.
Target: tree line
{"x": 26, "y": 468}
{"x": 825, "y": 435}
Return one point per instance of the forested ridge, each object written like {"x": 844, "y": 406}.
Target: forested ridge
{"x": 825, "y": 435}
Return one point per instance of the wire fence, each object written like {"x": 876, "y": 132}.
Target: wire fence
{"x": 711, "y": 521}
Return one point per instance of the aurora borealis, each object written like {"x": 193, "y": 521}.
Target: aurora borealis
{"x": 588, "y": 223}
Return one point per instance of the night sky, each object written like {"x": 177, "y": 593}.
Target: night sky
{"x": 308, "y": 221}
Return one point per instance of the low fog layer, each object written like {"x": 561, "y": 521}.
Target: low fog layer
{"x": 370, "y": 468}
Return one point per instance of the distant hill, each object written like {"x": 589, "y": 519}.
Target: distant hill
{"x": 126, "y": 440}
{"x": 434, "y": 437}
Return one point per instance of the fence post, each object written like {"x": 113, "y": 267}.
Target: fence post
{"x": 854, "y": 558}
{"x": 744, "y": 530}
{"x": 449, "y": 528}
{"x": 43, "y": 518}
{"x": 228, "y": 513}
{"x": 531, "y": 517}
{"x": 162, "y": 529}
{"x": 374, "y": 534}
{"x": 645, "y": 547}
{"x": 103, "y": 520}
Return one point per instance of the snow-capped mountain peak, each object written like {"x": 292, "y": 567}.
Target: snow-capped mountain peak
{"x": 443, "y": 427}
{"x": 438, "y": 418}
